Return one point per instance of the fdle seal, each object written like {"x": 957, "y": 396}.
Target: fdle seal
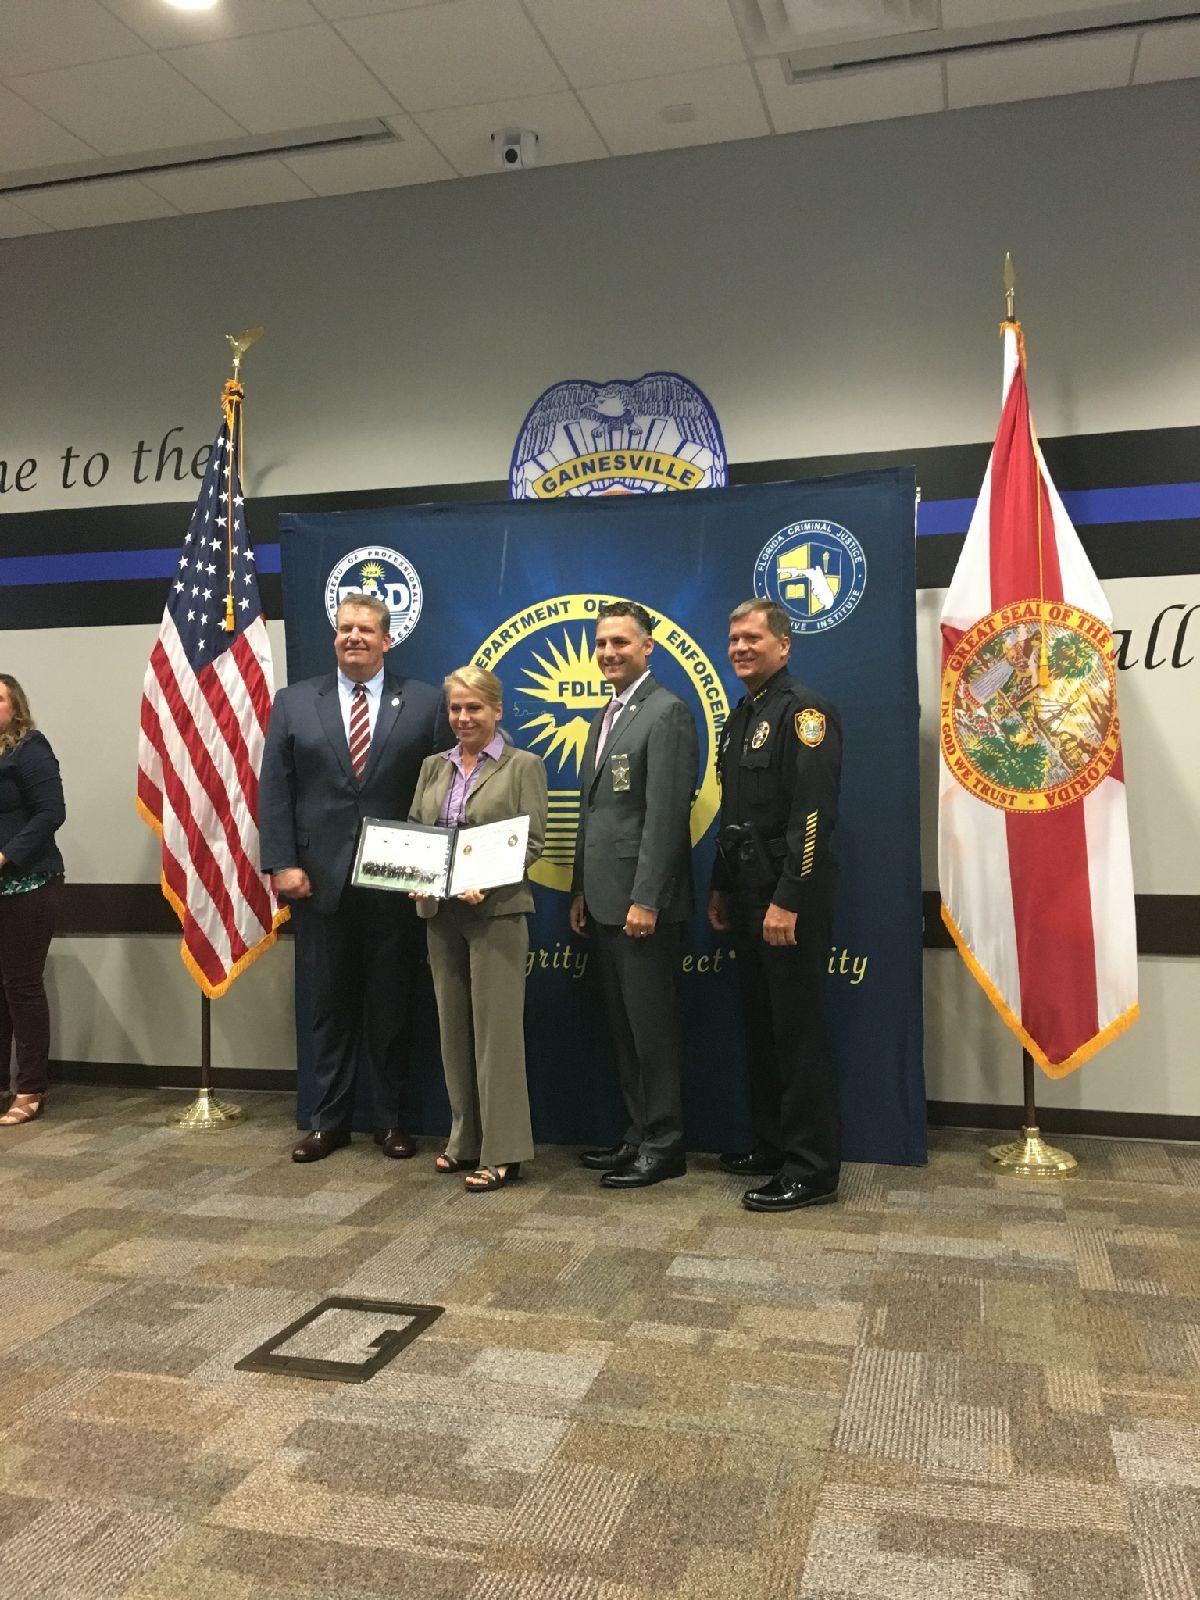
{"x": 816, "y": 570}
{"x": 553, "y": 689}
{"x": 384, "y": 573}
{"x": 1009, "y": 738}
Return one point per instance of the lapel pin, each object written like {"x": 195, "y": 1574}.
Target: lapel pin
{"x": 395, "y": 699}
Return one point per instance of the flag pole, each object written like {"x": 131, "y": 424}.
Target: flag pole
{"x": 206, "y": 1111}
{"x": 1029, "y": 1156}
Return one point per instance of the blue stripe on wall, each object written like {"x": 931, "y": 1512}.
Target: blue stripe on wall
{"x": 1152, "y": 502}
{"x": 107, "y": 566}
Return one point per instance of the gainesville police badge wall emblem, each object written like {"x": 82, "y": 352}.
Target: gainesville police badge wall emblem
{"x": 816, "y": 570}
{"x": 626, "y": 436}
{"x": 1013, "y": 740}
{"x": 382, "y": 572}
{"x": 553, "y": 691}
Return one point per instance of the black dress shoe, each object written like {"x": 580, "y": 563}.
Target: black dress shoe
{"x": 320, "y": 1143}
{"x": 397, "y": 1144}
{"x": 644, "y": 1170}
{"x": 615, "y": 1159}
{"x": 751, "y": 1165}
{"x": 787, "y": 1194}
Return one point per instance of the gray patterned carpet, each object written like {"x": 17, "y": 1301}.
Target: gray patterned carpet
{"x": 950, "y": 1386}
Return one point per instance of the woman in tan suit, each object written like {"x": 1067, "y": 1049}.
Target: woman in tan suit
{"x": 479, "y": 942}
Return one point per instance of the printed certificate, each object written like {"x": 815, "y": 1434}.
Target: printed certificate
{"x": 490, "y": 855}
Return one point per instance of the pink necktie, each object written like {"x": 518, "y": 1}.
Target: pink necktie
{"x": 360, "y": 729}
{"x": 610, "y": 716}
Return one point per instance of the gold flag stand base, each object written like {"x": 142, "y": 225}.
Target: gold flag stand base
{"x": 1031, "y": 1157}
{"x": 206, "y": 1111}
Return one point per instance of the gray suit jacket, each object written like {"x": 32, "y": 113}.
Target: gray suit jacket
{"x": 513, "y": 786}
{"x": 634, "y": 844}
{"x": 310, "y": 806}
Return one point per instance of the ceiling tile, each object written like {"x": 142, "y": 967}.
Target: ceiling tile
{"x": 374, "y": 166}
{"x": 92, "y": 205}
{"x": 39, "y": 35}
{"x": 1169, "y": 53}
{"x": 137, "y": 104}
{"x": 224, "y": 185}
{"x": 463, "y": 133}
{"x": 161, "y": 26}
{"x": 630, "y": 115}
{"x": 624, "y": 39}
{"x": 14, "y": 222}
{"x": 297, "y": 79}
{"x": 28, "y": 138}
{"x": 1029, "y": 71}
{"x": 461, "y": 53}
{"x": 872, "y": 95}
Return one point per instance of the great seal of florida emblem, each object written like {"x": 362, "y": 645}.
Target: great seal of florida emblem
{"x": 1014, "y": 740}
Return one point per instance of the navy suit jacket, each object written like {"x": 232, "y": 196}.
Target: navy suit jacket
{"x": 310, "y": 805}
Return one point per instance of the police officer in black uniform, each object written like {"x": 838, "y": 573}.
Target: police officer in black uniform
{"x": 773, "y": 885}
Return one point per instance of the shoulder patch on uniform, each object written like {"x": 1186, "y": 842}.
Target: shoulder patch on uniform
{"x": 810, "y": 726}
{"x": 761, "y": 734}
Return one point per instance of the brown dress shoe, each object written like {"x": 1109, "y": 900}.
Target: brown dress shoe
{"x": 320, "y": 1143}
{"x": 397, "y": 1144}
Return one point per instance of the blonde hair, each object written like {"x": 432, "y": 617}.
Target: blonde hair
{"x": 22, "y": 719}
{"x": 485, "y": 684}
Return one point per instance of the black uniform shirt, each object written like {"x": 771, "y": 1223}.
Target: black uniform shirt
{"x": 780, "y": 766}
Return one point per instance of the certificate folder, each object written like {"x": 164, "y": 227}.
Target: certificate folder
{"x": 414, "y": 858}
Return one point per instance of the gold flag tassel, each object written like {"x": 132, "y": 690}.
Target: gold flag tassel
{"x": 231, "y": 401}
{"x": 1010, "y": 322}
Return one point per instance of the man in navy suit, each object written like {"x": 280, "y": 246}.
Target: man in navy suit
{"x": 340, "y": 748}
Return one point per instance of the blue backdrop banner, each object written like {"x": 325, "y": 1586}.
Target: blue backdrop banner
{"x": 514, "y": 587}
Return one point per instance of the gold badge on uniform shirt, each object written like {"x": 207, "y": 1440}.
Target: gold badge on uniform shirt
{"x": 620, "y": 773}
{"x": 761, "y": 734}
{"x": 810, "y": 726}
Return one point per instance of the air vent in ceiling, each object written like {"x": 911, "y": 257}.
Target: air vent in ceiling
{"x": 292, "y": 142}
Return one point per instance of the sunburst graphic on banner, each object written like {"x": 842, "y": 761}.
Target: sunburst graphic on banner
{"x": 571, "y": 679}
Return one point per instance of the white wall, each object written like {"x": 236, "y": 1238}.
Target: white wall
{"x": 832, "y": 292}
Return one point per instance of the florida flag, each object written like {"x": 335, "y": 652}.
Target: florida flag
{"x": 1033, "y": 833}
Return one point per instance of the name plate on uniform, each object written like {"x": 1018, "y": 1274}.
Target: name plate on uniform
{"x": 413, "y": 858}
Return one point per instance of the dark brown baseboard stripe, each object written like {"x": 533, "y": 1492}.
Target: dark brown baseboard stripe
{"x": 941, "y": 1113}
{"x": 1167, "y": 924}
{"x": 1066, "y": 1119}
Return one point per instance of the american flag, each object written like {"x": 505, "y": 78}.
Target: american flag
{"x": 205, "y": 705}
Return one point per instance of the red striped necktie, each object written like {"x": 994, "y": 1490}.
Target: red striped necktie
{"x": 360, "y": 729}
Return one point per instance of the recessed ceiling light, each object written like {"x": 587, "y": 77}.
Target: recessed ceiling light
{"x": 192, "y": 5}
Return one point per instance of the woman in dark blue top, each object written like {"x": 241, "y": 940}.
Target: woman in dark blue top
{"x": 31, "y": 883}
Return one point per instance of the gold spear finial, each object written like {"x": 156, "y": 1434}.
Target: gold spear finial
{"x": 239, "y": 343}
{"x": 1010, "y": 287}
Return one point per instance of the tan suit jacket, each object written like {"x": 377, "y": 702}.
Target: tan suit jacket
{"x": 513, "y": 786}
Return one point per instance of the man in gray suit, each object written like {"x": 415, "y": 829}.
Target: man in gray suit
{"x": 632, "y": 888}
{"x": 340, "y": 748}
